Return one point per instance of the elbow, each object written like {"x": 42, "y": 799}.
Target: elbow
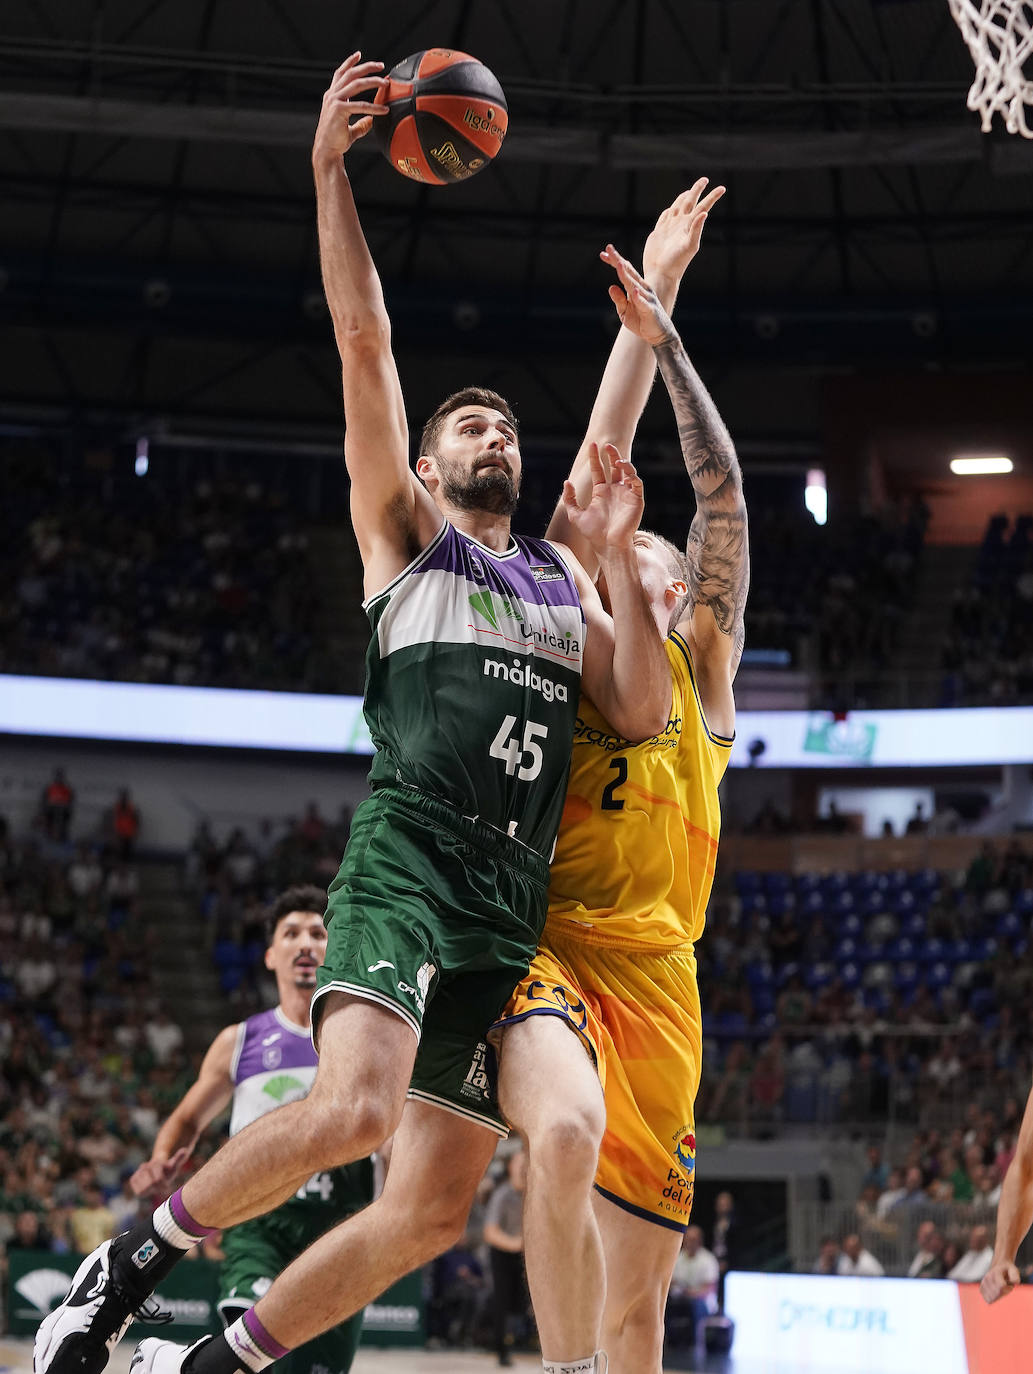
{"x": 360, "y": 333}
{"x": 638, "y": 723}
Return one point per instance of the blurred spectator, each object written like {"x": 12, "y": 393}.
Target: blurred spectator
{"x": 877, "y": 1172}
{"x": 504, "y": 1235}
{"x": 164, "y": 1038}
{"x": 857, "y": 1262}
{"x": 693, "y": 1292}
{"x": 29, "y": 1233}
{"x": 458, "y": 1288}
{"x": 725, "y": 1243}
{"x": 125, "y": 825}
{"x": 976, "y": 1260}
{"x": 828, "y": 1256}
{"x": 85, "y": 874}
{"x": 928, "y": 1259}
{"x": 893, "y": 1193}
{"x": 57, "y": 806}
{"x": 92, "y": 1221}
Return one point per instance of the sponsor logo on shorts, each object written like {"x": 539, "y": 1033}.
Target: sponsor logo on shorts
{"x": 557, "y": 995}
{"x": 420, "y": 991}
{"x": 685, "y": 1148}
{"x": 477, "y": 1083}
{"x": 677, "y": 1196}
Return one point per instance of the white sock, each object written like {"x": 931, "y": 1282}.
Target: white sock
{"x": 591, "y": 1364}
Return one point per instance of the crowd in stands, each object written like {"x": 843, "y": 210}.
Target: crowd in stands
{"x": 89, "y": 1061}
{"x": 930, "y": 1211}
{"x": 234, "y": 878}
{"x": 988, "y": 656}
{"x": 855, "y": 997}
{"x": 187, "y": 579}
{"x": 836, "y": 595}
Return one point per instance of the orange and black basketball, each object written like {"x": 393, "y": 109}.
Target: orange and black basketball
{"x": 447, "y": 118}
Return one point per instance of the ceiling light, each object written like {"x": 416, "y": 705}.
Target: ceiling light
{"x": 978, "y": 464}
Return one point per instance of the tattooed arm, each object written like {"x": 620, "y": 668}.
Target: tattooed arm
{"x": 717, "y": 551}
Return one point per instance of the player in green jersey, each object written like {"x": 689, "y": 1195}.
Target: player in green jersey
{"x": 441, "y": 897}
{"x": 258, "y": 1065}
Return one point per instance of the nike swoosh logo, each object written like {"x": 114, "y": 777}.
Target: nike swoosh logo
{"x": 381, "y": 963}
{"x": 270, "y": 1038}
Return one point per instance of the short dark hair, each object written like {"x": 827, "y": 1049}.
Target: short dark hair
{"x": 469, "y": 396}
{"x": 301, "y": 897}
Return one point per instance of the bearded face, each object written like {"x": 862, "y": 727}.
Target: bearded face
{"x": 488, "y": 487}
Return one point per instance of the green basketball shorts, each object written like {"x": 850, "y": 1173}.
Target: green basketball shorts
{"x": 436, "y": 917}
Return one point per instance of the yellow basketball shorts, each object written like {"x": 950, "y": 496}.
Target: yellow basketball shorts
{"x": 637, "y": 1013}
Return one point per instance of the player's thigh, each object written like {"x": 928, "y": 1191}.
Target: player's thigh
{"x": 640, "y": 1256}
{"x": 438, "y": 1157}
{"x": 546, "y": 1076}
{"x": 366, "y": 1056}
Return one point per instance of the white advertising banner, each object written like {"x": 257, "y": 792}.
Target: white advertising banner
{"x": 155, "y": 714}
{"x": 810, "y": 1324}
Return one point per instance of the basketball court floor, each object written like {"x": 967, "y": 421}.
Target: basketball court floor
{"x": 16, "y": 1358}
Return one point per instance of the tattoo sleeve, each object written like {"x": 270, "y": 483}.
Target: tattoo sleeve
{"x": 718, "y": 549}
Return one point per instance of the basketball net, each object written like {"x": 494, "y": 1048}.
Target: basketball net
{"x": 999, "y": 34}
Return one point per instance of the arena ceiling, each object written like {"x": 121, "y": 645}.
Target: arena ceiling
{"x": 157, "y": 246}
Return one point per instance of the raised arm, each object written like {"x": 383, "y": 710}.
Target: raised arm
{"x": 201, "y": 1104}
{"x": 391, "y": 512}
{"x": 718, "y": 548}
{"x": 625, "y": 669}
{"x": 1014, "y": 1214}
{"x": 628, "y": 376}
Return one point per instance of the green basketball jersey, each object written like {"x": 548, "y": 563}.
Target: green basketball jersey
{"x": 472, "y": 681}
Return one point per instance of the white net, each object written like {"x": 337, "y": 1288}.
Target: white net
{"x": 999, "y": 34}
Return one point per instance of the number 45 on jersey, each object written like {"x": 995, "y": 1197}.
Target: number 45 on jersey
{"x": 522, "y": 757}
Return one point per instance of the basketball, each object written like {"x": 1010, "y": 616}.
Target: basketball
{"x": 447, "y": 119}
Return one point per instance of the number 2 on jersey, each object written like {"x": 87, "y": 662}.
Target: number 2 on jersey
{"x": 524, "y": 758}
{"x": 610, "y": 801}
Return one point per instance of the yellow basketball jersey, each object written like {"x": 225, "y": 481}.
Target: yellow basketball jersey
{"x": 641, "y": 824}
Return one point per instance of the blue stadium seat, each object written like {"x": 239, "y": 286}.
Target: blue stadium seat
{"x": 906, "y": 977}
{"x": 850, "y": 975}
{"x": 845, "y": 949}
{"x": 913, "y": 926}
{"x": 938, "y": 976}
{"x": 900, "y": 949}
{"x": 1009, "y": 926}
{"x": 818, "y": 976}
{"x": 933, "y": 951}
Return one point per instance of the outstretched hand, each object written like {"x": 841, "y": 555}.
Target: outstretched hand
{"x": 337, "y": 129}
{"x": 615, "y": 506}
{"x": 638, "y": 306}
{"x": 154, "y": 1174}
{"x": 675, "y": 240}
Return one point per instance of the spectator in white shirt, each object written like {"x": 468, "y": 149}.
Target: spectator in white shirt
{"x": 976, "y": 1260}
{"x": 163, "y": 1036}
{"x": 892, "y": 1194}
{"x": 856, "y": 1261}
{"x": 696, "y": 1271}
{"x": 693, "y": 1294}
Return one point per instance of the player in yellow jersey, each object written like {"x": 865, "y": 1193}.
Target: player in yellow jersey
{"x": 629, "y": 886}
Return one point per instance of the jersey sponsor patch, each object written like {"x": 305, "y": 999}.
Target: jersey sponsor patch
{"x": 547, "y": 573}
{"x": 477, "y": 1083}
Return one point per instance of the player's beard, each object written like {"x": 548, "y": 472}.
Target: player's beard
{"x": 491, "y": 489}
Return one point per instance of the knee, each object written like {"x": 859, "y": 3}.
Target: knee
{"x": 565, "y": 1143}
{"x": 434, "y": 1228}
{"x": 638, "y": 1323}
{"x": 339, "y": 1132}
